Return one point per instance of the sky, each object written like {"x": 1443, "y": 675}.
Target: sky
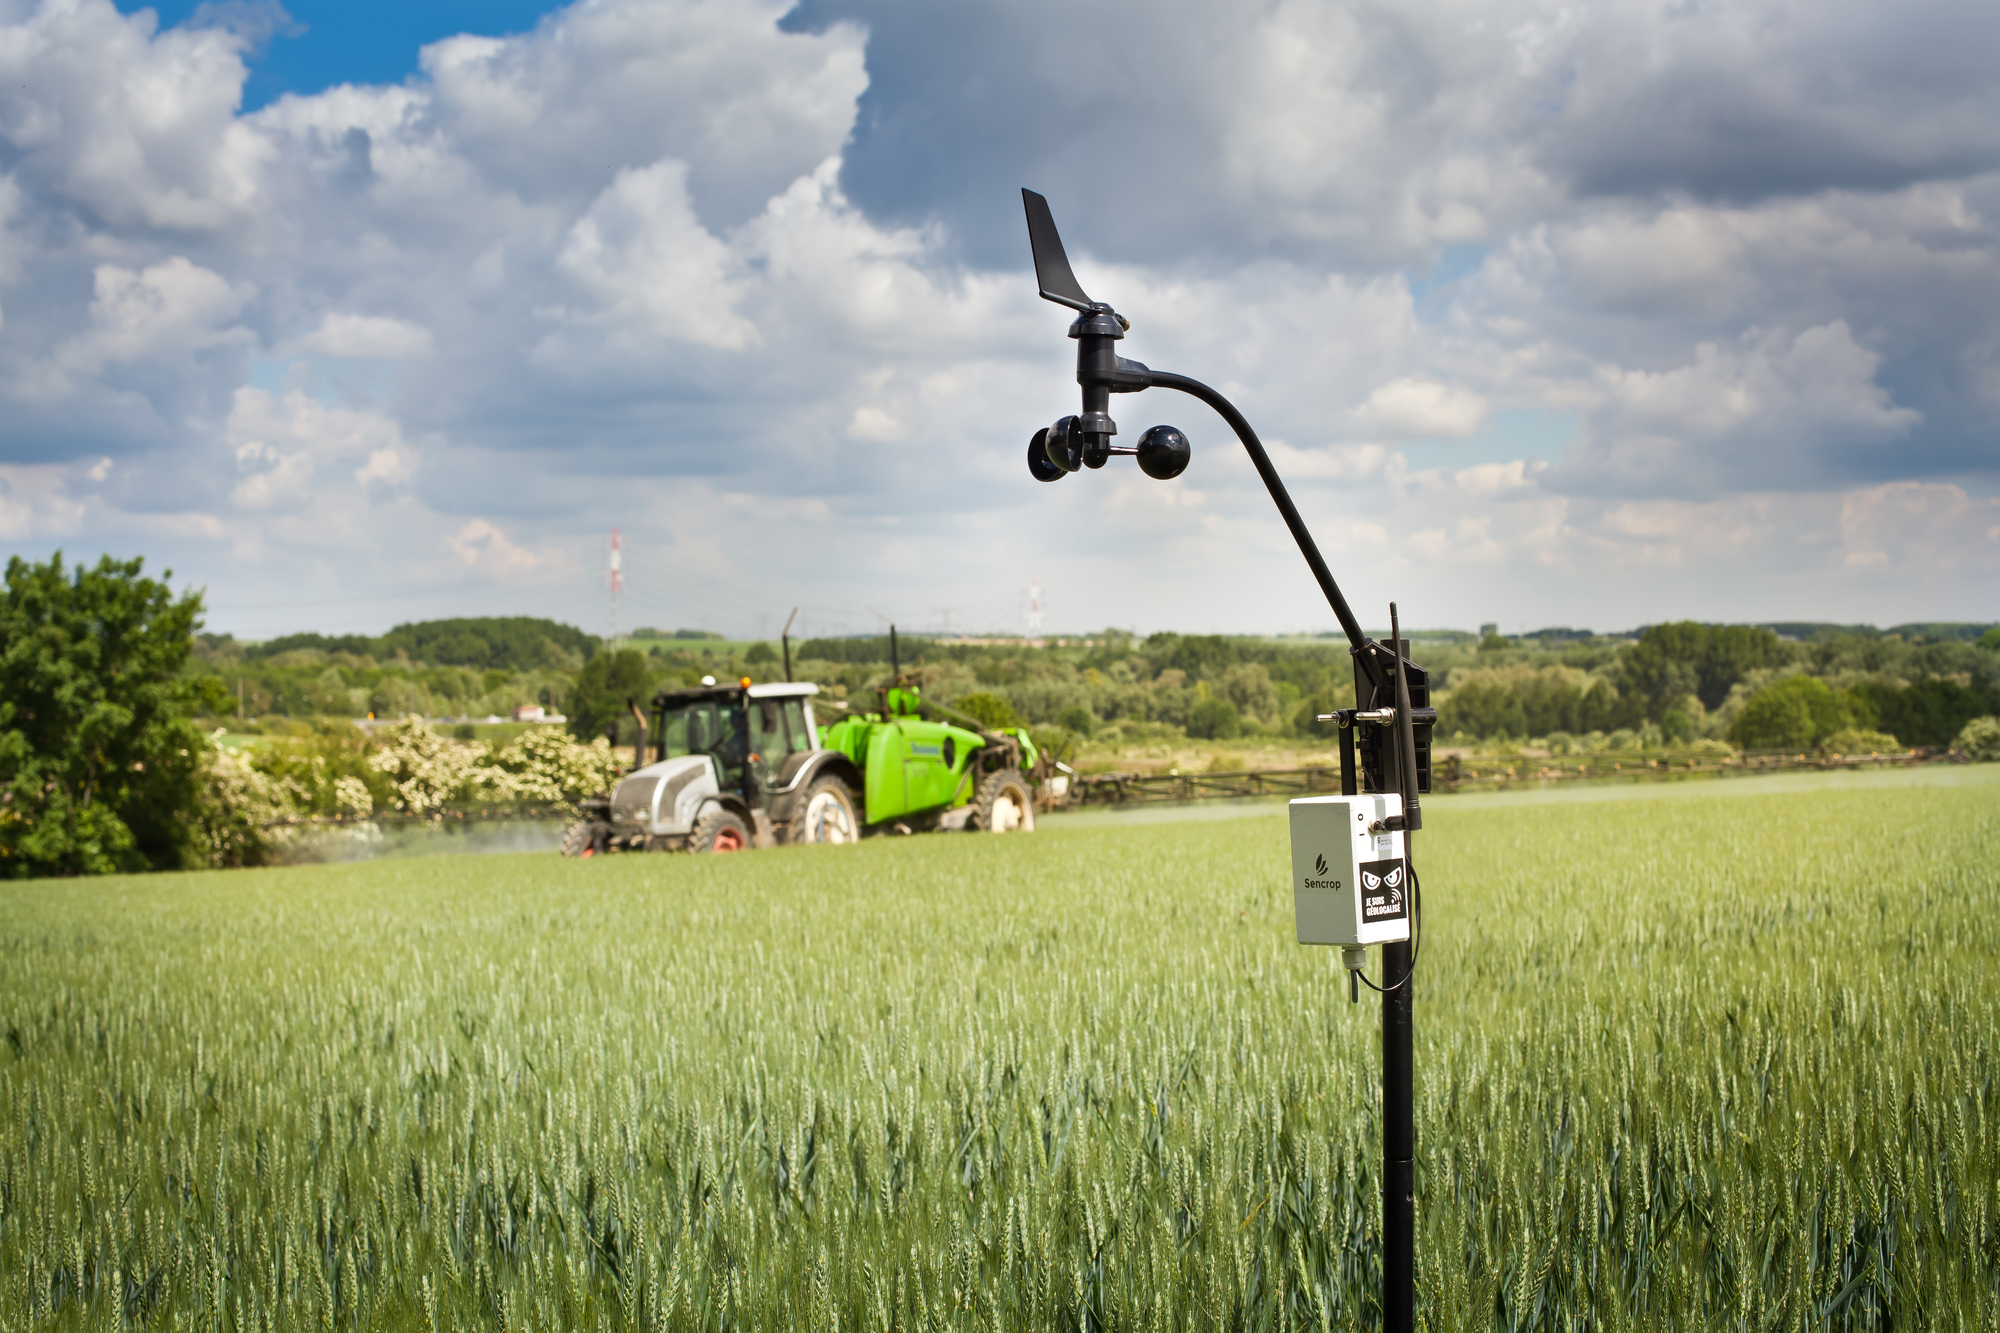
{"x": 1596, "y": 316}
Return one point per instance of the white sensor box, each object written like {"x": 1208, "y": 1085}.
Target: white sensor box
{"x": 1350, "y": 885}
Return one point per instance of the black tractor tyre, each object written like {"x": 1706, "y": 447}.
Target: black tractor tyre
{"x": 586, "y": 837}
{"x": 826, "y": 815}
{"x": 1004, "y": 803}
{"x": 719, "y": 831}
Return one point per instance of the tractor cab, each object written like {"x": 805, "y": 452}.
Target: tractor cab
{"x": 750, "y": 732}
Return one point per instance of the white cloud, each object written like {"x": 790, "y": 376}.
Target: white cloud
{"x": 643, "y": 254}
{"x": 167, "y": 310}
{"x": 1773, "y": 410}
{"x": 1421, "y": 408}
{"x": 284, "y": 444}
{"x": 482, "y": 546}
{"x": 1679, "y": 256}
{"x": 36, "y": 504}
{"x": 1820, "y": 378}
{"x": 127, "y": 127}
{"x": 1336, "y": 463}
{"x": 711, "y": 83}
{"x": 872, "y": 423}
{"x": 1914, "y": 529}
{"x": 367, "y": 337}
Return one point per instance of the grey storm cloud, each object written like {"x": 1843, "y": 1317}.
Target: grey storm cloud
{"x": 750, "y": 281}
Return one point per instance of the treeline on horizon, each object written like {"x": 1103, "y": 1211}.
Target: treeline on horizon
{"x": 1685, "y": 683}
{"x": 110, "y": 694}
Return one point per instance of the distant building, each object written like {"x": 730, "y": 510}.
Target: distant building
{"x": 1488, "y": 630}
{"x": 536, "y": 713}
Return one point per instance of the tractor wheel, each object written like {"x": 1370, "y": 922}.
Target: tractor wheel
{"x": 827, "y": 815}
{"x": 719, "y": 831}
{"x": 586, "y": 837}
{"x": 1004, "y": 804}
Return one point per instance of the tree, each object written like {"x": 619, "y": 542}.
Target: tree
{"x": 1930, "y": 712}
{"x": 1214, "y": 719}
{"x": 1792, "y": 714}
{"x": 607, "y": 683}
{"x": 1775, "y": 720}
{"x": 515, "y": 643}
{"x": 1483, "y": 708}
{"x": 1249, "y": 687}
{"x": 512, "y": 643}
{"x": 989, "y": 710}
{"x": 1980, "y": 739}
{"x": 1201, "y": 656}
{"x": 1688, "y": 657}
{"x": 99, "y": 761}
{"x": 1078, "y": 719}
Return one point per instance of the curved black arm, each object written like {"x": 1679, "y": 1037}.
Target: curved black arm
{"x": 1163, "y": 379}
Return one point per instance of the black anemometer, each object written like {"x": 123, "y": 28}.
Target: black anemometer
{"x": 1368, "y": 893}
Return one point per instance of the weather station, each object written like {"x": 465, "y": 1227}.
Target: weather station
{"x": 1354, "y": 877}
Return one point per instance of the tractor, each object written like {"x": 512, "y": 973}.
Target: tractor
{"x": 748, "y": 765}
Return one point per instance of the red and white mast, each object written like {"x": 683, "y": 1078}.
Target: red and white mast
{"x": 617, "y": 572}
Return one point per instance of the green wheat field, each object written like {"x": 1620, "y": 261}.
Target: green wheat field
{"x": 1716, "y": 1057}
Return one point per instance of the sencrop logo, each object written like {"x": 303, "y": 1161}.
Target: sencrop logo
{"x": 1320, "y": 868}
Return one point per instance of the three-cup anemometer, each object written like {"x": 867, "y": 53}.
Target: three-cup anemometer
{"x": 1354, "y": 882}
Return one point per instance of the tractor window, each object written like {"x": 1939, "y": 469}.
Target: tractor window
{"x": 673, "y": 738}
{"x": 798, "y": 734}
{"x": 690, "y": 730}
{"x": 729, "y": 740}
{"x": 768, "y": 721}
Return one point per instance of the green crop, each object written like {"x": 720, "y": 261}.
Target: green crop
{"x": 1725, "y": 1060}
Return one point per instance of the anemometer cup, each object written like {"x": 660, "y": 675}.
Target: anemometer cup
{"x": 1163, "y": 453}
{"x": 1063, "y": 445}
{"x": 1038, "y": 458}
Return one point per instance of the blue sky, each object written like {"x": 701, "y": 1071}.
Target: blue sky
{"x": 314, "y": 44}
{"x": 1550, "y": 316}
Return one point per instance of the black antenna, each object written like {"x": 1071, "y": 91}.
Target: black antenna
{"x": 1052, "y": 272}
{"x": 1406, "y": 732}
{"x": 786, "y": 639}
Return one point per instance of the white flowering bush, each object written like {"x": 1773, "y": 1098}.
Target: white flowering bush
{"x": 259, "y": 806}
{"x": 428, "y": 771}
{"x": 1980, "y": 740}
{"x": 352, "y": 799}
{"x": 545, "y": 766}
{"x": 542, "y": 767}
{"x": 243, "y": 809}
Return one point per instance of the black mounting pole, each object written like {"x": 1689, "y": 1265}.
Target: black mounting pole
{"x": 1399, "y": 1126}
{"x": 895, "y": 657}
{"x": 1086, "y": 441}
{"x": 786, "y": 638}
{"x": 1399, "y": 1135}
